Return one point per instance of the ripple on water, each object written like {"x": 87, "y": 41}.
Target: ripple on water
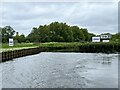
{"x": 54, "y": 70}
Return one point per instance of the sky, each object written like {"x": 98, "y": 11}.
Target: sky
{"x": 97, "y": 17}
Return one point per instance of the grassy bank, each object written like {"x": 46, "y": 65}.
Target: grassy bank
{"x": 18, "y": 45}
{"x": 5, "y": 47}
{"x": 110, "y": 47}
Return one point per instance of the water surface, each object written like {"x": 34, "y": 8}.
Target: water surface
{"x": 61, "y": 70}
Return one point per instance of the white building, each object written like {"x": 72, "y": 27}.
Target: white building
{"x": 95, "y": 39}
{"x": 101, "y": 38}
{"x": 105, "y": 38}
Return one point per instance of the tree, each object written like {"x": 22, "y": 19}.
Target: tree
{"x": 86, "y": 34}
{"x": 77, "y": 34}
{"x": 19, "y": 38}
{"x": 0, "y": 34}
{"x": 90, "y": 35}
{"x": 7, "y": 32}
{"x": 43, "y": 33}
{"x": 32, "y": 37}
{"x": 58, "y": 32}
{"x": 22, "y": 38}
{"x": 115, "y": 37}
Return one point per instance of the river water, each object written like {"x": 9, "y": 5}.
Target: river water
{"x": 61, "y": 70}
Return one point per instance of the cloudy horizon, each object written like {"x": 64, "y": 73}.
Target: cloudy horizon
{"x": 96, "y": 17}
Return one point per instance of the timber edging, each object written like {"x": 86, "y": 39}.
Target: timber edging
{"x": 9, "y": 55}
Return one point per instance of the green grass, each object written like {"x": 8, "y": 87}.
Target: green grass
{"x": 69, "y": 46}
{"x": 60, "y": 44}
{"x": 108, "y": 47}
{"x": 19, "y": 45}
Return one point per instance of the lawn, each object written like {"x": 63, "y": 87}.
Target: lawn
{"x": 67, "y": 46}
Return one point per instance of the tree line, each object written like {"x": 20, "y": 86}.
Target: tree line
{"x": 54, "y": 32}
{"x": 59, "y": 32}
{"x": 8, "y": 32}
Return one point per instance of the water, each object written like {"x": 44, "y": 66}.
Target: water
{"x": 61, "y": 70}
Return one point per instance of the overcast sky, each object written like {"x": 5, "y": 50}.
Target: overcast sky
{"x": 96, "y": 17}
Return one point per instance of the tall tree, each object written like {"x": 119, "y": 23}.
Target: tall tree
{"x": 115, "y": 37}
{"x": 58, "y": 32}
{"x": 86, "y": 34}
{"x": 77, "y": 34}
{"x": 7, "y": 32}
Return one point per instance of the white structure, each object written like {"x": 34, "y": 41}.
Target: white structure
{"x": 101, "y": 38}
{"x": 105, "y": 40}
{"x": 95, "y": 39}
{"x": 11, "y": 42}
{"x": 105, "y": 36}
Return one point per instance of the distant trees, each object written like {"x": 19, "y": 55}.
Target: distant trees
{"x": 116, "y": 37}
{"x": 78, "y": 34}
{"x": 90, "y": 36}
{"x": 19, "y": 38}
{"x": 59, "y": 32}
{"x": 7, "y": 32}
{"x": 54, "y": 32}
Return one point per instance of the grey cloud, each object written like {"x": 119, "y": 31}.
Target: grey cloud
{"x": 97, "y": 17}
{"x": 32, "y": 11}
{"x": 102, "y": 18}
{"x": 61, "y": 1}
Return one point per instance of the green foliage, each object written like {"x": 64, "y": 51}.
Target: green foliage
{"x": 20, "y": 38}
{"x": 27, "y": 41}
{"x": 19, "y": 45}
{"x": 78, "y": 34}
{"x": 111, "y": 47}
{"x": 116, "y": 37}
{"x": 100, "y": 47}
{"x": 7, "y": 32}
{"x": 58, "y": 32}
{"x": 54, "y": 32}
{"x": 83, "y": 47}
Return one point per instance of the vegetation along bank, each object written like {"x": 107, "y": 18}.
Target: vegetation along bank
{"x": 55, "y": 37}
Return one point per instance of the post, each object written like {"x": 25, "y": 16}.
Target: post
{"x": 11, "y": 44}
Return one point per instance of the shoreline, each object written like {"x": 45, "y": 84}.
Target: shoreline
{"x": 107, "y": 48}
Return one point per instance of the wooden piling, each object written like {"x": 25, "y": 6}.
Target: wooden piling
{"x": 9, "y": 55}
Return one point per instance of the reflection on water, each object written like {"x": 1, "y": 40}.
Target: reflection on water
{"x": 62, "y": 70}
